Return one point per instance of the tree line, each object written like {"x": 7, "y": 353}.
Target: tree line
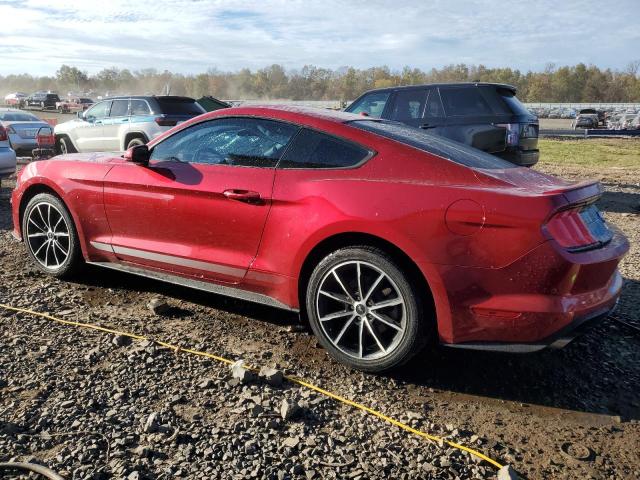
{"x": 577, "y": 83}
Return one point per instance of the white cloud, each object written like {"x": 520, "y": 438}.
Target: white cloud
{"x": 37, "y": 36}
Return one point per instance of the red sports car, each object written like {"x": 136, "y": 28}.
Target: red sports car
{"x": 383, "y": 236}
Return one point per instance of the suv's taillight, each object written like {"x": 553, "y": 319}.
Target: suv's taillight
{"x": 579, "y": 228}
{"x": 166, "y": 122}
{"x": 3, "y": 134}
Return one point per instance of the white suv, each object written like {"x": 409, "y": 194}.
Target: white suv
{"x": 119, "y": 123}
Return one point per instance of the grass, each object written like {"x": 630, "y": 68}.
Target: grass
{"x": 592, "y": 152}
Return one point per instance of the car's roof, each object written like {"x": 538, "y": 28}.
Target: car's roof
{"x": 145, "y": 97}
{"x": 268, "y": 109}
{"x": 443, "y": 84}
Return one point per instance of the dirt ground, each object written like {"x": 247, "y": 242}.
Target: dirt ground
{"x": 570, "y": 414}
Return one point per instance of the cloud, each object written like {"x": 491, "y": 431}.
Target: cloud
{"x": 191, "y": 36}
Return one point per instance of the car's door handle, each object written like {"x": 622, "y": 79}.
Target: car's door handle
{"x": 426, "y": 125}
{"x": 246, "y": 196}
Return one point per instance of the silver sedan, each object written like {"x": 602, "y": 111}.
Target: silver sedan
{"x": 22, "y": 128}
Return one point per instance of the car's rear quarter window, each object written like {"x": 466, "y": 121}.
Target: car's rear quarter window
{"x": 437, "y": 145}
{"x": 312, "y": 149}
{"x": 464, "y": 102}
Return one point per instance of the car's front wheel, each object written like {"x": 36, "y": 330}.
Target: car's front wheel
{"x": 364, "y": 310}
{"x": 50, "y": 236}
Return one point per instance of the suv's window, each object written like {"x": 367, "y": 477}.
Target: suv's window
{"x": 434, "y": 144}
{"x": 510, "y": 99}
{"x": 120, "y": 108}
{"x": 53, "y": 97}
{"x": 246, "y": 142}
{"x": 371, "y": 104}
{"x": 464, "y": 101}
{"x": 408, "y": 105}
{"x": 179, "y": 106}
{"x": 139, "y": 107}
{"x": 316, "y": 150}
{"x": 99, "y": 110}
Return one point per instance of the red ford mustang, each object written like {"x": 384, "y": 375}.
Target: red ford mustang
{"x": 383, "y": 236}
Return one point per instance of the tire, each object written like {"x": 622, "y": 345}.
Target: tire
{"x": 358, "y": 333}
{"x": 50, "y": 236}
{"x": 65, "y": 146}
{"x": 135, "y": 141}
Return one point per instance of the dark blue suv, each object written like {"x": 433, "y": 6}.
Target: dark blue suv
{"x": 487, "y": 116}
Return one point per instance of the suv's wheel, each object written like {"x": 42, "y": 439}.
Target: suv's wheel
{"x": 135, "y": 141}
{"x": 50, "y": 236}
{"x": 364, "y": 311}
{"x": 65, "y": 146}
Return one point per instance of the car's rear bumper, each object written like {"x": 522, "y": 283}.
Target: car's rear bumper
{"x": 523, "y": 158}
{"x": 533, "y": 301}
{"x": 559, "y": 339}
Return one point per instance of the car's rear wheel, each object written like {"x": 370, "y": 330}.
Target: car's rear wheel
{"x": 364, "y": 310}
{"x": 50, "y": 236}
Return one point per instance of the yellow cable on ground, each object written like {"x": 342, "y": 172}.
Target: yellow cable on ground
{"x": 296, "y": 380}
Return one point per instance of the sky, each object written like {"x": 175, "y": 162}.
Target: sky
{"x": 193, "y": 36}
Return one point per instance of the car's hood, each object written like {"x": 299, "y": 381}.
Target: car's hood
{"x": 91, "y": 157}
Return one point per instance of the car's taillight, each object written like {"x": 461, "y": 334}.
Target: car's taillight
{"x": 166, "y": 122}
{"x": 579, "y": 228}
{"x": 3, "y": 134}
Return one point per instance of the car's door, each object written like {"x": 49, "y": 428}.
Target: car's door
{"x": 88, "y": 134}
{"x": 112, "y": 125}
{"x": 200, "y": 206}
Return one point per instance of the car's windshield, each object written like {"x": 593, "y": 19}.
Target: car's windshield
{"x": 437, "y": 145}
{"x": 18, "y": 117}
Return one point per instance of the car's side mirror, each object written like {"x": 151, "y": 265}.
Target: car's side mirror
{"x": 139, "y": 154}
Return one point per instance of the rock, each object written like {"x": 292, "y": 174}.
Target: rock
{"x": 507, "y": 473}
{"x": 67, "y": 404}
{"x": 272, "y": 376}
{"x": 289, "y": 409}
{"x": 207, "y": 383}
{"x": 121, "y": 341}
{"x": 152, "y": 423}
{"x": 158, "y": 306}
{"x": 242, "y": 374}
{"x": 135, "y": 475}
{"x": 291, "y": 442}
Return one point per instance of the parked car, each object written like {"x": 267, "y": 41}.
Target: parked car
{"x": 7, "y": 155}
{"x": 122, "y": 122}
{"x": 585, "y": 121}
{"x": 384, "y": 236}
{"x": 13, "y": 99}
{"x": 73, "y": 104}
{"x": 22, "y": 128}
{"x": 487, "y": 116}
{"x": 40, "y": 101}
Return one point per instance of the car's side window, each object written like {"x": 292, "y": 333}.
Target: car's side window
{"x": 120, "y": 108}
{"x": 99, "y": 110}
{"x": 312, "y": 149}
{"x": 408, "y": 105}
{"x": 139, "y": 107}
{"x": 464, "y": 102}
{"x": 247, "y": 142}
{"x": 372, "y": 104}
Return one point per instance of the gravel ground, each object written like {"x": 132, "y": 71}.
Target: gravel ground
{"x": 91, "y": 405}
